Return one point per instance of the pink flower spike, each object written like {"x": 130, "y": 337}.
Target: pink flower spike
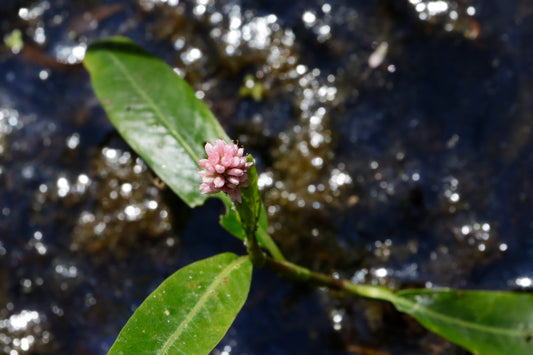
{"x": 219, "y": 181}
{"x": 236, "y": 172}
{"x": 226, "y": 160}
{"x": 206, "y": 164}
{"x": 219, "y": 146}
{"x": 235, "y": 195}
{"x": 214, "y": 157}
{"x": 208, "y": 148}
{"x": 220, "y": 168}
{"x": 205, "y": 188}
{"x": 233, "y": 180}
{"x": 224, "y": 169}
{"x": 236, "y": 162}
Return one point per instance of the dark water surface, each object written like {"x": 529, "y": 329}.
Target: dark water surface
{"x": 393, "y": 139}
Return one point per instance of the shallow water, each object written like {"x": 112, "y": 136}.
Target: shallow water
{"x": 392, "y": 137}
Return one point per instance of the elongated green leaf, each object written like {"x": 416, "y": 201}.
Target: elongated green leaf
{"x": 155, "y": 111}
{"x": 190, "y": 311}
{"x": 158, "y": 114}
{"x": 484, "y": 322}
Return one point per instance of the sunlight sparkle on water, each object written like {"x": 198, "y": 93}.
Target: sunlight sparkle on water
{"x": 308, "y": 18}
{"x": 523, "y": 282}
{"x": 20, "y": 321}
{"x": 63, "y": 187}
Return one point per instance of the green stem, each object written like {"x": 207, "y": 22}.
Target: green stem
{"x": 276, "y": 262}
{"x": 257, "y": 256}
{"x": 300, "y": 273}
{"x": 269, "y": 244}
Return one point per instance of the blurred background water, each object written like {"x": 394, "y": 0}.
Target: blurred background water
{"x": 393, "y": 139}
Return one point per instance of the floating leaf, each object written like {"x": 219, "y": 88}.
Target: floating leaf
{"x": 155, "y": 111}
{"x": 190, "y": 311}
{"x": 484, "y": 322}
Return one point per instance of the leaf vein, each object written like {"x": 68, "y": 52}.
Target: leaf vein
{"x": 194, "y": 311}
{"x": 420, "y": 309}
{"x": 152, "y": 104}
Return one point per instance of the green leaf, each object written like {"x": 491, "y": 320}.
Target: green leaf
{"x": 190, "y": 311}
{"x": 159, "y": 116}
{"x": 484, "y": 322}
{"x": 155, "y": 111}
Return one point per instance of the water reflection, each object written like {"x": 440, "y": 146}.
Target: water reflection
{"x": 452, "y": 15}
{"x": 22, "y": 332}
{"x": 379, "y": 133}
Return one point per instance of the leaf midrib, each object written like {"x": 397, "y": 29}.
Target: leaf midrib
{"x": 154, "y": 107}
{"x": 202, "y": 301}
{"x": 416, "y": 307}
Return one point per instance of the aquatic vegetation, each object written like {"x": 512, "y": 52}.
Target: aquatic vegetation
{"x": 193, "y": 308}
{"x": 412, "y": 174}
